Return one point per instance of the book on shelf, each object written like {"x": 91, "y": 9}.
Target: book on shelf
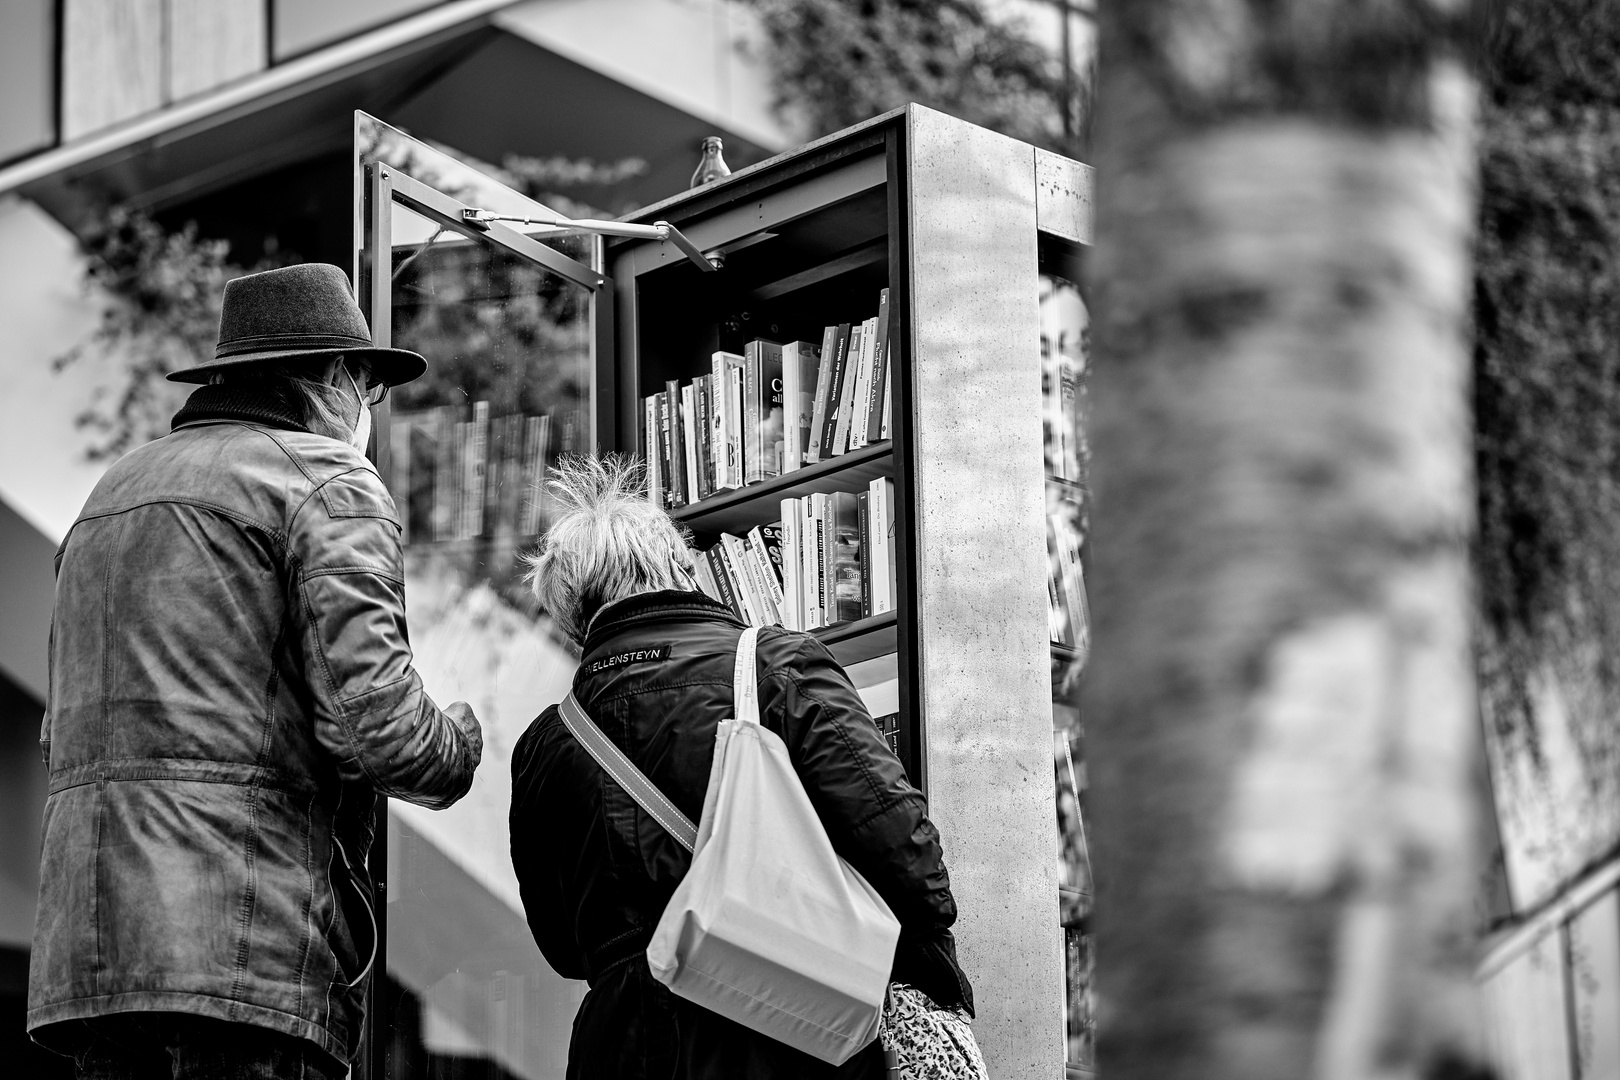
{"x": 874, "y": 430}
{"x": 770, "y": 410}
{"x": 801, "y": 366}
{"x": 762, "y": 411}
{"x": 828, "y": 560}
{"x": 702, "y": 400}
{"x": 828, "y": 357}
{"x": 846, "y": 389}
{"x": 727, "y": 370}
{"x": 863, "y": 386}
{"x": 846, "y": 557}
{"x": 835, "y": 391}
{"x": 689, "y": 448}
{"x": 649, "y": 449}
{"x": 888, "y": 726}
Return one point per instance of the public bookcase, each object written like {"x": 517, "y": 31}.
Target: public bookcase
{"x": 950, "y": 584}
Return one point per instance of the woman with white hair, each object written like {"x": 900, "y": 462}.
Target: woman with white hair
{"x": 596, "y": 871}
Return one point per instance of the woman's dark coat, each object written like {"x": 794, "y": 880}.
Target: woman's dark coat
{"x": 596, "y": 871}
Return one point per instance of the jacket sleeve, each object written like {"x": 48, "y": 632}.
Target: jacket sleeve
{"x": 543, "y": 792}
{"x": 371, "y": 712}
{"x": 874, "y": 817}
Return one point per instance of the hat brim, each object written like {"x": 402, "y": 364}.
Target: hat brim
{"x": 392, "y": 366}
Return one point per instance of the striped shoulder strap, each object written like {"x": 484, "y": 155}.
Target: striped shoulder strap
{"x": 625, "y": 773}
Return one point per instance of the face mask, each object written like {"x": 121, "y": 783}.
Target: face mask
{"x": 362, "y": 423}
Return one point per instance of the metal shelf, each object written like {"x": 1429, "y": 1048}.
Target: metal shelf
{"x": 740, "y": 510}
{"x": 863, "y": 639}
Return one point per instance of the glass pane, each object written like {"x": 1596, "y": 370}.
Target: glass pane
{"x": 508, "y": 343}
{"x": 1065, "y": 340}
{"x": 27, "y": 78}
{"x": 459, "y": 176}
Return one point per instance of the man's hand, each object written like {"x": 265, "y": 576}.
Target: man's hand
{"x": 461, "y": 715}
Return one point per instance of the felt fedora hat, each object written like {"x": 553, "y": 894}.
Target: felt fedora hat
{"x": 297, "y": 311}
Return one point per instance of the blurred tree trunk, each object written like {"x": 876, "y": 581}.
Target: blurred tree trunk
{"x": 1281, "y": 716}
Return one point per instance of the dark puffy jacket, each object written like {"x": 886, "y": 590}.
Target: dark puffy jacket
{"x": 596, "y": 871}
{"x": 230, "y": 689}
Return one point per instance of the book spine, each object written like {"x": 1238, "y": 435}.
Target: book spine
{"x": 873, "y": 431}
{"x": 792, "y": 567}
{"x": 732, "y": 552}
{"x": 655, "y": 477}
{"x": 769, "y": 409}
{"x": 716, "y": 557}
{"x": 689, "y": 442}
{"x": 835, "y": 391}
{"x": 821, "y": 395}
{"x": 717, "y": 420}
{"x": 792, "y": 451}
{"x": 734, "y": 437}
{"x": 863, "y": 385}
{"x": 891, "y": 542}
{"x": 846, "y": 394}
{"x": 809, "y": 554}
{"x": 677, "y": 446}
{"x": 666, "y": 447}
{"x": 765, "y": 546}
{"x": 705, "y": 578}
{"x": 846, "y": 557}
{"x": 877, "y": 562}
{"x": 705, "y": 436}
{"x": 727, "y": 371}
{"x": 753, "y": 444}
{"x": 863, "y": 514}
{"x": 760, "y": 579}
{"x": 888, "y": 395}
{"x": 821, "y": 511}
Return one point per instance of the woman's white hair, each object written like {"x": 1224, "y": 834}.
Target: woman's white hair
{"x": 605, "y": 543}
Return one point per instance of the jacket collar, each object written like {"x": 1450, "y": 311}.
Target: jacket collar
{"x": 662, "y": 606}
{"x": 226, "y": 402}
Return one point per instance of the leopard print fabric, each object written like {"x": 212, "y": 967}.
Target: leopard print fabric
{"x": 932, "y": 1043}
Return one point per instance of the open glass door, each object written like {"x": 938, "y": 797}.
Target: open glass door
{"x": 509, "y": 324}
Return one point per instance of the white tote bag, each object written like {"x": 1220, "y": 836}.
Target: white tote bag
{"x": 769, "y": 927}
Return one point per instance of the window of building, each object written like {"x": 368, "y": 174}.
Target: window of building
{"x": 301, "y": 25}
{"x": 27, "y": 78}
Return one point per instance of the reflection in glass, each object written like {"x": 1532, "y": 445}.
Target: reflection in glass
{"x": 1065, "y": 357}
{"x": 508, "y": 344}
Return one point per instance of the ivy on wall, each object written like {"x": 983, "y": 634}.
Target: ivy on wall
{"x": 838, "y": 62}
{"x": 161, "y": 313}
{"x": 1547, "y": 354}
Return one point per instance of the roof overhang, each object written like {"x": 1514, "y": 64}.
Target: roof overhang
{"x": 480, "y": 76}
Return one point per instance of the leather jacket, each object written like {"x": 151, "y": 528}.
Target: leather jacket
{"x": 231, "y": 688}
{"x": 596, "y": 871}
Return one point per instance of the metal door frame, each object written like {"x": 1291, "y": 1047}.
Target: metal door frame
{"x": 383, "y": 186}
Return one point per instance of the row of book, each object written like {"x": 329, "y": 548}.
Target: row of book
{"x": 457, "y": 473}
{"x": 1067, "y": 616}
{"x": 771, "y": 410}
{"x": 830, "y": 559}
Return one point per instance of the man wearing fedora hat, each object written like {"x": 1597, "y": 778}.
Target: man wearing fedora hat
{"x": 231, "y": 689}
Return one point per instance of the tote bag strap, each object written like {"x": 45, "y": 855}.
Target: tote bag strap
{"x": 744, "y": 680}
{"x": 625, "y": 773}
